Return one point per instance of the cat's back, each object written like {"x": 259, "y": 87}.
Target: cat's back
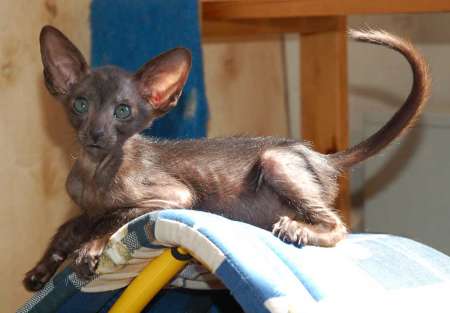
{"x": 209, "y": 163}
{"x": 218, "y": 148}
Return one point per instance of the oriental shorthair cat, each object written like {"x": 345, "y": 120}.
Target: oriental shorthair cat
{"x": 277, "y": 184}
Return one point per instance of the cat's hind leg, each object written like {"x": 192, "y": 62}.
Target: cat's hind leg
{"x": 307, "y": 184}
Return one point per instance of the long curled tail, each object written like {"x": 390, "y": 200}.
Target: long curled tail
{"x": 406, "y": 116}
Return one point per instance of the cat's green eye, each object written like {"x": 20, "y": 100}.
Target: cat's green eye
{"x": 80, "y": 105}
{"x": 122, "y": 111}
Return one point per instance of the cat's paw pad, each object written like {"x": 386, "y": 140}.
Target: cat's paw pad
{"x": 87, "y": 258}
{"x": 86, "y": 265}
{"x": 291, "y": 231}
{"x": 36, "y": 278}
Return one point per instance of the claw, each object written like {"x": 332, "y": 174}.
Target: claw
{"x": 86, "y": 262}
{"x": 290, "y": 231}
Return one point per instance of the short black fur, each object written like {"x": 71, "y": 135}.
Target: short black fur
{"x": 277, "y": 184}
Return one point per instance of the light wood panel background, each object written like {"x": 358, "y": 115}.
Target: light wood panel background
{"x": 245, "y": 87}
{"x": 35, "y": 140}
{"x": 245, "y": 91}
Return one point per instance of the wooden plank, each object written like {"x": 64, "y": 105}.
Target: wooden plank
{"x": 234, "y": 79}
{"x": 236, "y": 9}
{"x": 35, "y": 137}
{"x": 245, "y": 87}
{"x": 324, "y": 112}
{"x": 252, "y": 27}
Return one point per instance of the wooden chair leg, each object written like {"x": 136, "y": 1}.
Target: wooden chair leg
{"x": 324, "y": 107}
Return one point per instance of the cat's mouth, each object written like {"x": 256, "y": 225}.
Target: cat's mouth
{"x": 95, "y": 147}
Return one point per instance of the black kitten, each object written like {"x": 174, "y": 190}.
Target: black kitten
{"x": 273, "y": 183}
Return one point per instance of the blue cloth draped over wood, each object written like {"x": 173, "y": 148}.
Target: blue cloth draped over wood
{"x": 128, "y": 33}
{"x": 371, "y": 271}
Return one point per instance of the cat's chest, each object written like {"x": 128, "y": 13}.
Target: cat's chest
{"x": 97, "y": 191}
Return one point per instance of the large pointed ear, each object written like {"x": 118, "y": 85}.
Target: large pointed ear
{"x": 64, "y": 65}
{"x": 161, "y": 80}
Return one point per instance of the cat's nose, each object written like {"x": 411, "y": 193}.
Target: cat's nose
{"x": 96, "y": 134}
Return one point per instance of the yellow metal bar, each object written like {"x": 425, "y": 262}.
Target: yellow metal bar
{"x": 150, "y": 281}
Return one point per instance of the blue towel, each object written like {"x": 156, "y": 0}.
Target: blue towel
{"x": 264, "y": 274}
{"x": 128, "y": 33}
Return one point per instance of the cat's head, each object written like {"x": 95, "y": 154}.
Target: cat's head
{"x": 108, "y": 105}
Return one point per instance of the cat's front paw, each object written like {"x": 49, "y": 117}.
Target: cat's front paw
{"x": 36, "y": 278}
{"x": 88, "y": 257}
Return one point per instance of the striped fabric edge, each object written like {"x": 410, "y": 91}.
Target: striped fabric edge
{"x": 175, "y": 233}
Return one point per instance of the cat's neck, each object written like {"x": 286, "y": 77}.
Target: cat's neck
{"x": 98, "y": 161}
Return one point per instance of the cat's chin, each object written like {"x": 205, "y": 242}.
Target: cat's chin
{"x": 96, "y": 153}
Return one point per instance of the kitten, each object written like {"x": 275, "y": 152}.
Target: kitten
{"x": 273, "y": 183}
